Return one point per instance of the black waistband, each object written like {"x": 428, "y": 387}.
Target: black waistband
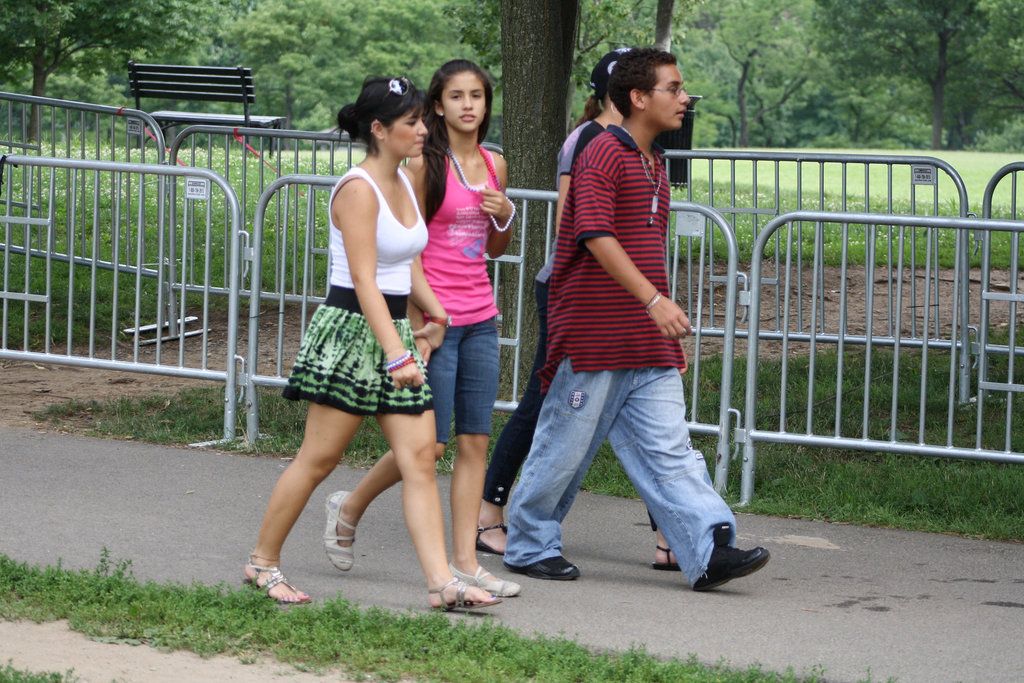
{"x": 343, "y": 297}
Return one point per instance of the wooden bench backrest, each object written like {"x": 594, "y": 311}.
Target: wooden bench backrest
{"x": 177, "y": 82}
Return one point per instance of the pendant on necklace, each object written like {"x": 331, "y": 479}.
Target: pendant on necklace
{"x": 654, "y": 204}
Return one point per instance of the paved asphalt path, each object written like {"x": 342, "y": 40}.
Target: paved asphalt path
{"x": 845, "y": 602}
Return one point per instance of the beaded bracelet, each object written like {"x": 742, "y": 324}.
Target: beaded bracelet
{"x": 399, "y": 362}
{"x": 408, "y": 361}
{"x": 510, "y": 218}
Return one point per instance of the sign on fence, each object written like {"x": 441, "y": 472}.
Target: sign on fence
{"x": 197, "y": 188}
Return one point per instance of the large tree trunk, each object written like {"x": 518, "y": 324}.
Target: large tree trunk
{"x": 40, "y": 72}
{"x": 741, "y": 104}
{"x": 939, "y": 93}
{"x": 537, "y": 42}
{"x": 663, "y": 25}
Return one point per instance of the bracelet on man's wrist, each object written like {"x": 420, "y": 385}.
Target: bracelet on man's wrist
{"x": 654, "y": 300}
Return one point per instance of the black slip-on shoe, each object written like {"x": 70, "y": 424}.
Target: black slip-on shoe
{"x": 728, "y": 563}
{"x": 553, "y": 568}
{"x": 731, "y": 563}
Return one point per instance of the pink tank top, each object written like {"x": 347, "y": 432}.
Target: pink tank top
{"x": 453, "y": 260}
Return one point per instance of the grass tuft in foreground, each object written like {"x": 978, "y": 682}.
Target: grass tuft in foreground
{"x": 108, "y": 603}
{"x": 8, "y": 674}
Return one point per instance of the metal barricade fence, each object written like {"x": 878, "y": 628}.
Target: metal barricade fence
{"x": 84, "y": 270}
{"x": 42, "y": 126}
{"x": 710, "y": 300}
{"x": 1011, "y": 197}
{"x": 753, "y": 187}
{"x": 252, "y": 158}
{"x": 888, "y": 381}
{"x": 998, "y": 291}
{"x": 152, "y": 234}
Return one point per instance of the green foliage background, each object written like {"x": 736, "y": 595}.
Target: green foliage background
{"x": 886, "y": 74}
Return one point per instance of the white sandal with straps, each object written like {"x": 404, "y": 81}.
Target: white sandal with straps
{"x": 341, "y": 557}
{"x": 460, "y": 604}
{"x": 275, "y": 578}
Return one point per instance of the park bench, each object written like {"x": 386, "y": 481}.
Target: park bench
{"x": 208, "y": 83}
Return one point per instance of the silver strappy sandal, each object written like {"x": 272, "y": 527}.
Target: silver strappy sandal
{"x": 487, "y": 581}
{"x": 341, "y": 558}
{"x": 460, "y": 604}
{"x": 275, "y": 577}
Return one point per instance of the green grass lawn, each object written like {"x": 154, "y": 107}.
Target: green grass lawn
{"x": 975, "y": 168}
{"x": 787, "y": 185}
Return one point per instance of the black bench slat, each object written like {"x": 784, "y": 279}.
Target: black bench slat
{"x": 188, "y": 69}
{"x": 146, "y": 81}
{"x": 198, "y": 94}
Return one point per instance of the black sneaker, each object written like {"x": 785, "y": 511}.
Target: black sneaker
{"x": 729, "y": 563}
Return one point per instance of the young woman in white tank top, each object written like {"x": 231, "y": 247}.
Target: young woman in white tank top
{"x": 460, "y": 188}
{"x": 359, "y": 355}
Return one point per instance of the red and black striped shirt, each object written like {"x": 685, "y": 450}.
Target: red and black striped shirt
{"x": 592, "y": 319}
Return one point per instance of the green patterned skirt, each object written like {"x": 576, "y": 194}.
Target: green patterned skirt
{"x": 341, "y": 365}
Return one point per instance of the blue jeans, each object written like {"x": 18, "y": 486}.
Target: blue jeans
{"x": 516, "y": 437}
{"x": 642, "y": 414}
{"x": 463, "y": 377}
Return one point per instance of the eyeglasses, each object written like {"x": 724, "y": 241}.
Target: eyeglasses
{"x": 399, "y": 86}
{"x": 673, "y": 91}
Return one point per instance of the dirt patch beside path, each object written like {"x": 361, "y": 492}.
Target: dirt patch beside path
{"x": 53, "y": 647}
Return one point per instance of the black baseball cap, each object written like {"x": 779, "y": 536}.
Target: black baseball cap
{"x": 599, "y": 76}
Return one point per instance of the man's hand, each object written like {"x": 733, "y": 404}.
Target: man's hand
{"x": 670, "y": 319}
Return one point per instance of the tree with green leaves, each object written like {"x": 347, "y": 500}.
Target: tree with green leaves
{"x": 928, "y": 41}
{"x": 310, "y": 56}
{"x": 1000, "y": 50}
{"x": 602, "y": 25}
{"x": 38, "y": 37}
{"x": 760, "y": 54}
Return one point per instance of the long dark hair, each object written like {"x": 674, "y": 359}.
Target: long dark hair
{"x": 592, "y": 108}
{"x": 436, "y": 146}
{"x": 381, "y": 99}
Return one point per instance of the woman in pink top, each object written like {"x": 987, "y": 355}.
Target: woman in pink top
{"x": 459, "y": 186}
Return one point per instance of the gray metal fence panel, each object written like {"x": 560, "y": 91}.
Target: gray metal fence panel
{"x": 85, "y": 270}
{"x": 890, "y": 381}
{"x": 43, "y": 126}
{"x": 752, "y": 187}
{"x": 1006, "y": 186}
{"x": 710, "y": 300}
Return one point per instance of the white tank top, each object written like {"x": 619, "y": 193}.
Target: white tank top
{"x": 397, "y": 245}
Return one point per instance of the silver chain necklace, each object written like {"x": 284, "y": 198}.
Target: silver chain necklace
{"x": 645, "y": 162}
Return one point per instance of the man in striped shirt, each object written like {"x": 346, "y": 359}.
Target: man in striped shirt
{"x": 614, "y": 360}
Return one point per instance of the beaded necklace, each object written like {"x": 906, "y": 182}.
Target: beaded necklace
{"x": 465, "y": 184}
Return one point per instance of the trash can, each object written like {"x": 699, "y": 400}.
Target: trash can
{"x": 679, "y": 139}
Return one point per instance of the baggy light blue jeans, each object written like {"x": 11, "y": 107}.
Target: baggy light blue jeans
{"x": 642, "y": 413}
